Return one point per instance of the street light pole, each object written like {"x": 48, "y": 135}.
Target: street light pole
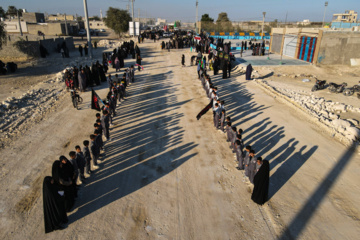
{"x": 326, "y": 4}
{"x": 196, "y": 21}
{"x": 262, "y": 30}
{"x": 88, "y": 29}
{"x": 133, "y": 19}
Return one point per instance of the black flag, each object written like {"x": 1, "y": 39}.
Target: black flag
{"x": 204, "y": 110}
{"x": 95, "y": 100}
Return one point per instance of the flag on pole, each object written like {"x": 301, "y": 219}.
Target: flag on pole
{"x": 95, "y": 101}
{"x": 142, "y": 68}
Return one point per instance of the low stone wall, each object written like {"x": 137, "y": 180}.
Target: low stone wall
{"x": 23, "y": 50}
{"x": 20, "y": 51}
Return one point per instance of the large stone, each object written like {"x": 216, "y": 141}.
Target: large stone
{"x": 340, "y": 123}
{"x": 352, "y": 133}
{"x": 339, "y": 107}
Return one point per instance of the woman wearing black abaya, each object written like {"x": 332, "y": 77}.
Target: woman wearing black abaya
{"x": 95, "y": 74}
{"x": 89, "y": 82}
{"x": 101, "y": 72}
{"x": 249, "y": 70}
{"x": 64, "y": 176}
{"x": 54, "y": 208}
{"x": 261, "y": 184}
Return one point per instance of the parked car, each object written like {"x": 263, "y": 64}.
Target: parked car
{"x": 166, "y": 34}
{"x": 102, "y": 30}
{"x": 82, "y": 32}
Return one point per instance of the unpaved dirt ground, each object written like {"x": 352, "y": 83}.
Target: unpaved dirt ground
{"x": 166, "y": 175}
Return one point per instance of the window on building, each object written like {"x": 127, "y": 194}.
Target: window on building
{"x": 90, "y": 24}
{"x": 98, "y": 24}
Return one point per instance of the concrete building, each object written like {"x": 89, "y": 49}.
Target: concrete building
{"x": 160, "y": 22}
{"x": 350, "y": 16}
{"x": 305, "y": 22}
{"x": 61, "y": 17}
{"x": 316, "y": 45}
{"x": 33, "y": 17}
{"x": 97, "y": 25}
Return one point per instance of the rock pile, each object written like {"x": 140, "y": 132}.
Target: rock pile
{"x": 324, "y": 111}
{"x": 18, "y": 113}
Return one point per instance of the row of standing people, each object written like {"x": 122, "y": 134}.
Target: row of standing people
{"x": 255, "y": 169}
{"x": 60, "y": 190}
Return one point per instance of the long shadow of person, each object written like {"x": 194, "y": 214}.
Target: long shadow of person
{"x": 288, "y": 169}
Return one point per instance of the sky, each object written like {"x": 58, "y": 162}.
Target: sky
{"x": 185, "y": 10}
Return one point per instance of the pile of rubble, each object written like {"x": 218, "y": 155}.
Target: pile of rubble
{"x": 325, "y": 112}
{"x": 109, "y": 44}
{"x": 18, "y": 114}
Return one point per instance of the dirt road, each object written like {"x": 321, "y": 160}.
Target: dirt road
{"x": 166, "y": 175}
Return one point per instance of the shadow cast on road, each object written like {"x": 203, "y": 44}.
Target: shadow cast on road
{"x": 147, "y": 144}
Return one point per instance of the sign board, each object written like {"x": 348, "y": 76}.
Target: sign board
{"x": 131, "y": 29}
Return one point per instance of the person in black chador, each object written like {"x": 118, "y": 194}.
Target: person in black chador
{"x": 224, "y": 69}
{"x": 261, "y": 182}
{"x": 64, "y": 176}
{"x": 55, "y": 216}
{"x": 101, "y": 71}
{"x": 95, "y": 74}
{"x": 249, "y": 70}
{"x": 80, "y": 50}
{"x": 86, "y": 50}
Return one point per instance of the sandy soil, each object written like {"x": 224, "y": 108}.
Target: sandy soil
{"x": 167, "y": 176}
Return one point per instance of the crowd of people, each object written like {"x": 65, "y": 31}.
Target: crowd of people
{"x": 255, "y": 169}
{"x": 68, "y": 173}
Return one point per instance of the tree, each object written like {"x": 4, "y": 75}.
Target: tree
{"x": 13, "y": 11}
{"x": 206, "y": 18}
{"x": 118, "y": 20}
{"x": 274, "y": 23}
{"x": 2, "y": 12}
{"x": 96, "y": 18}
{"x": 223, "y": 17}
{"x": 2, "y": 34}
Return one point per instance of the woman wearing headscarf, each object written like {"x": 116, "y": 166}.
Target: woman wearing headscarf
{"x": 249, "y": 70}
{"x": 64, "y": 176}
{"x": 82, "y": 80}
{"x": 117, "y": 64}
{"x": 55, "y": 216}
{"x": 261, "y": 182}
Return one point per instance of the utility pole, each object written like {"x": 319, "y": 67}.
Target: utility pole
{"x": 66, "y": 28}
{"x": 262, "y": 29}
{"x": 88, "y": 29}
{"x": 326, "y": 4}
{"x": 133, "y": 19}
{"x": 286, "y": 18}
{"x": 196, "y": 21}
{"x": 101, "y": 16}
{"x": 20, "y": 29}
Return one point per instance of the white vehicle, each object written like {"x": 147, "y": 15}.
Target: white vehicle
{"x": 166, "y": 34}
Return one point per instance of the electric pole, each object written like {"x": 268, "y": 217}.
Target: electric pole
{"x": 66, "y": 28}
{"x": 20, "y": 29}
{"x": 196, "y": 21}
{"x": 88, "y": 29}
{"x": 133, "y": 19}
{"x": 262, "y": 29}
{"x": 326, "y": 4}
